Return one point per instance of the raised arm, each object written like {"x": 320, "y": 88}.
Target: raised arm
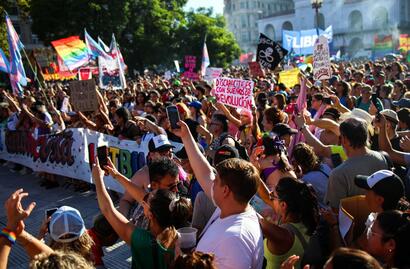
{"x": 336, "y": 102}
{"x": 16, "y": 214}
{"x": 137, "y": 192}
{"x": 152, "y": 127}
{"x": 34, "y": 118}
{"x": 204, "y": 132}
{"x": 228, "y": 114}
{"x": 320, "y": 149}
{"x": 119, "y": 223}
{"x": 14, "y": 105}
{"x": 201, "y": 167}
{"x": 59, "y": 117}
{"x": 88, "y": 123}
{"x": 385, "y": 144}
{"x": 327, "y": 124}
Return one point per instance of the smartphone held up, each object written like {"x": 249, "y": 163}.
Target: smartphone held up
{"x": 173, "y": 116}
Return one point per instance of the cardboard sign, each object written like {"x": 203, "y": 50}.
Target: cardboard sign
{"x": 255, "y": 69}
{"x": 289, "y": 77}
{"x": 234, "y": 92}
{"x": 270, "y": 53}
{"x": 190, "y": 65}
{"x": 83, "y": 95}
{"x": 321, "y": 60}
{"x": 212, "y": 73}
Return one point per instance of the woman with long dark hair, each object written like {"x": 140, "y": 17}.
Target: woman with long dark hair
{"x": 388, "y": 239}
{"x": 152, "y": 248}
{"x": 296, "y": 204}
{"x": 274, "y": 165}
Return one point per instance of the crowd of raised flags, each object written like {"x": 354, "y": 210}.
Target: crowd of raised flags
{"x": 72, "y": 54}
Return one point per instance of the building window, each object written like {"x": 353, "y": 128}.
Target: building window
{"x": 244, "y": 37}
{"x": 247, "y": 5}
{"x": 381, "y": 18}
{"x": 243, "y": 21}
{"x": 233, "y": 6}
{"x": 356, "y": 20}
{"x": 242, "y": 5}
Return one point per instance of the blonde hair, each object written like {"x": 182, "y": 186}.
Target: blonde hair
{"x": 61, "y": 260}
{"x": 82, "y": 246}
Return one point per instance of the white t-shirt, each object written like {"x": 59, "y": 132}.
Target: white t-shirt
{"x": 236, "y": 241}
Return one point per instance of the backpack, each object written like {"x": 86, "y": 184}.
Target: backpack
{"x": 241, "y": 149}
{"x": 316, "y": 251}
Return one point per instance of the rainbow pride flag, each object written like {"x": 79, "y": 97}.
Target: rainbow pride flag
{"x": 73, "y": 51}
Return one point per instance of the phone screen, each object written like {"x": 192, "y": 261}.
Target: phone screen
{"x": 102, "y": 153}
{"x": 50, "y": 212}
{"x": 173, "y": 116}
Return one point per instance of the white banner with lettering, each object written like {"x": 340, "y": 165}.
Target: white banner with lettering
{"x": 69, "y": 153}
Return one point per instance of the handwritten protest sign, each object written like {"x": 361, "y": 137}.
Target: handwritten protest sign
{"x": 190, "y": 65}
{"x": 83, "y": 95}
{"x": 321, "y": 60}
{"x": 289, "y": 77}
{"x": 234, "y": 92}
{"x": 212, "y": 73}
{"x": 255, "y": 69}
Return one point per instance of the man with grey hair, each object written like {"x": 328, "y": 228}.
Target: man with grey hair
{"x": 360, "y": 161}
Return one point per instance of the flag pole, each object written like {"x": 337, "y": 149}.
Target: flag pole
{"x": 35, "y": 73}
{"x": 36, "y": 78}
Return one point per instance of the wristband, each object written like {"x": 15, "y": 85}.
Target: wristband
{"x": 10, "y": 235}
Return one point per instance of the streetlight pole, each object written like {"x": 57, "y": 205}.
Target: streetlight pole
{"x": 316, "y": 5}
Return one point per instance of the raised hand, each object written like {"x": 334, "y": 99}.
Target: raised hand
{"x": 183, "y": 131}
{"x": 15, "y": 211}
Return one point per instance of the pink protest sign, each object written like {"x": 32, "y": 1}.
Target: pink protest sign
{"x": 234, "y": 92}
{"x": 190, "y": 65}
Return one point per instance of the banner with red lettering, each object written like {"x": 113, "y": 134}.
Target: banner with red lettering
{"x": 234, "y": 92}
{"x": 71, "y": 153}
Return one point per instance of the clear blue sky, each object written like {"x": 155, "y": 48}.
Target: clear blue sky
{"x": 217, "y": 5}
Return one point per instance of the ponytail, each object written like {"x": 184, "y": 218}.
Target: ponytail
{"x": 301, "y": 201}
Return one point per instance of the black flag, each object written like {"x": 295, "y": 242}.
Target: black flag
{"x": 269, "y": 53}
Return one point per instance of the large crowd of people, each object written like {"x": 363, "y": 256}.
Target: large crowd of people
{"x": 320, "y": 181}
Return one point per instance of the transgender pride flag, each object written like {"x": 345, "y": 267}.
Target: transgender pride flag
{"x": 16, "y": 70}
{"x": 94, "y": 48}
{"x": 205, "y": 60}
{"x": 4, "y": 62}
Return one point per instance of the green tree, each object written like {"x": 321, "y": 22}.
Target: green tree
{"x": 54, "y": 19}
{"x": 23, "y": 7}
{"x": 152, "y": 33}
{"x": 222, "y": 46}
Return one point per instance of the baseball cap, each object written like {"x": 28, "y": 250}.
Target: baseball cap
{"x": 66, "y": 222}
{"x": 159, "y": 143}
{"x": 403, "y": 102}
{"x": 390, "y": 115}
{"x": 225, "y": 152}
{"x": 282, "y": 129}
{"x": 181, "y": 154}
{"x": 196, "y": 104}
{"x": 383, "y": 182}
